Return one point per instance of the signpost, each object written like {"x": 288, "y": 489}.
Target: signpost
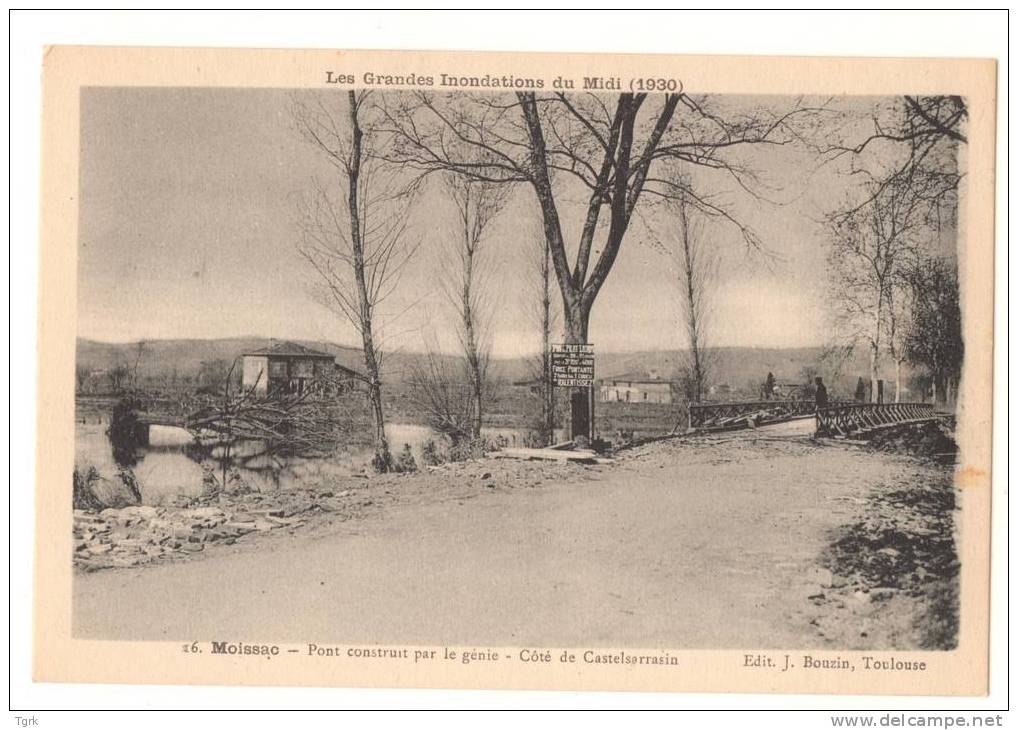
{"x": 572, "y": 366}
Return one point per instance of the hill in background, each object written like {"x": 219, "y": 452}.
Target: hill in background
{"x": 741, "y": 368}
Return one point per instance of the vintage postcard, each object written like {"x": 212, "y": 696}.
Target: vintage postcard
{"x": 487, "y": 370}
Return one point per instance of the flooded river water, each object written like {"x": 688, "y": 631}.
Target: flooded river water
{"x": 167, "y": 467}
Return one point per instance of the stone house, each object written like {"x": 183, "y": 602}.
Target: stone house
{"x": 286, "y": 368}
{"x": 638, "y": 387}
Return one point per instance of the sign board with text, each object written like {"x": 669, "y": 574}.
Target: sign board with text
{"x": 572, "y": 365}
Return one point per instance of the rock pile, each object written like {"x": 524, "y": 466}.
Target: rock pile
{"x": 902, "y": 545}
{"x": 135, "y": 535}
{"x": 931, "y": 439}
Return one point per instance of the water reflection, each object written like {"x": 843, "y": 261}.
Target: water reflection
{"x": 174, "y": 465}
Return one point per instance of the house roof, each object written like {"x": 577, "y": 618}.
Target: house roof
{"x": 290, "y": 349}
{"x": 641, "y": 377}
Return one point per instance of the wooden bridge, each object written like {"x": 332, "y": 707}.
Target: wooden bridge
{"x": 729, "y": 416}
{"x": 837, "y": 419}
{"x": 862, "y": 419}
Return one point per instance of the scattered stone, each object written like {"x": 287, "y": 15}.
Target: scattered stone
{"x": 100, "y": 548}
{"x": 824, "y": 577}
{"x": 194, "y": 547}
{"x": 207, "y": 512}
{"x": 275, "y": 512}
{"x": 240, "y": 528}
{"x": 286, "y": 521}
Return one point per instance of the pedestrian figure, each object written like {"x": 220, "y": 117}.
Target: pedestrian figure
{"x": 821, "y": 393}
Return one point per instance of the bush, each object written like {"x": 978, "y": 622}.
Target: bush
{"x": 127, "y": 478}
{"x": 382, "y": 462}
{"x": 92, "y": 491}
{"x": 476, "y": 449}
{"x": 430, "y": 454}
{"x": 405, "y": 463}
{"x": 83, "y": 497}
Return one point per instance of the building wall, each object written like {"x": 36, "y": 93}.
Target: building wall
{"x": 255, "y": 366}
{"x": 637, "y": 392}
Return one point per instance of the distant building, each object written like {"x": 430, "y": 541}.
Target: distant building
{"x": 637, "y": 387}
{"x": 289, "y": 368}
{"x": 720, "y": 390}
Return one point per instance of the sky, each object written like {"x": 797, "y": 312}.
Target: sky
{"x": 188, "y": 229}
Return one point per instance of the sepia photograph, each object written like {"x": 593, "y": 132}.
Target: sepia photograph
{"x": 534, "y": 369}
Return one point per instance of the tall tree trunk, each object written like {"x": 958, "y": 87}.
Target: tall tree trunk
{"x": 547, "y": 385}
{"x": 382, "y": 455}
{"x": 897, "y": 381}
{"x": 689, "y": 263}
{"x": 577, "y": 320}
{"x": 381, "y": 443}
{"x": 874, "y": 374}
{"x": 875, "y": 350}
{"x": 470, "y": 343}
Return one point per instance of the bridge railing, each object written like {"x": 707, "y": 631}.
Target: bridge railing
{"x": 734, "y": 415}
{"x": 848, "y": 418}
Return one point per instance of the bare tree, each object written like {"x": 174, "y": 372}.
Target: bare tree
{"x": 900, "y": 321}
{"x": 354, "y": 230}
{"x": 545, "y": 317}
{"x": 870, "y": 247}
{"x": 910, "y": 138}
{"x": 935, "y": 338}
{"x": 438, "y": 386}
{"x": 604, "y": 148}
{"x": 697, "y": 270}
{"x": 139, "y": 352}
{"x": 476, "y": 203}
{"x": 118, "y": 375}
{"x": 82, "y": 375}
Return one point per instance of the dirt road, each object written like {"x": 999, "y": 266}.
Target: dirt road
{"x": 677, "y": 545}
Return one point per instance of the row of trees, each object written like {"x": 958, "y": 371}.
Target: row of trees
{"x": 608, "y": 160}
{"x": 895, "y": 283}
{"x": 621, "y": 154}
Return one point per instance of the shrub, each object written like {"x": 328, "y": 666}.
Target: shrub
{"x": 92, "y": 491}
{"x": 405, "y": 463}
{"x": 430, "y": 454}
{"x": 83, "y": 497}
{"x": 382, "y": 462}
